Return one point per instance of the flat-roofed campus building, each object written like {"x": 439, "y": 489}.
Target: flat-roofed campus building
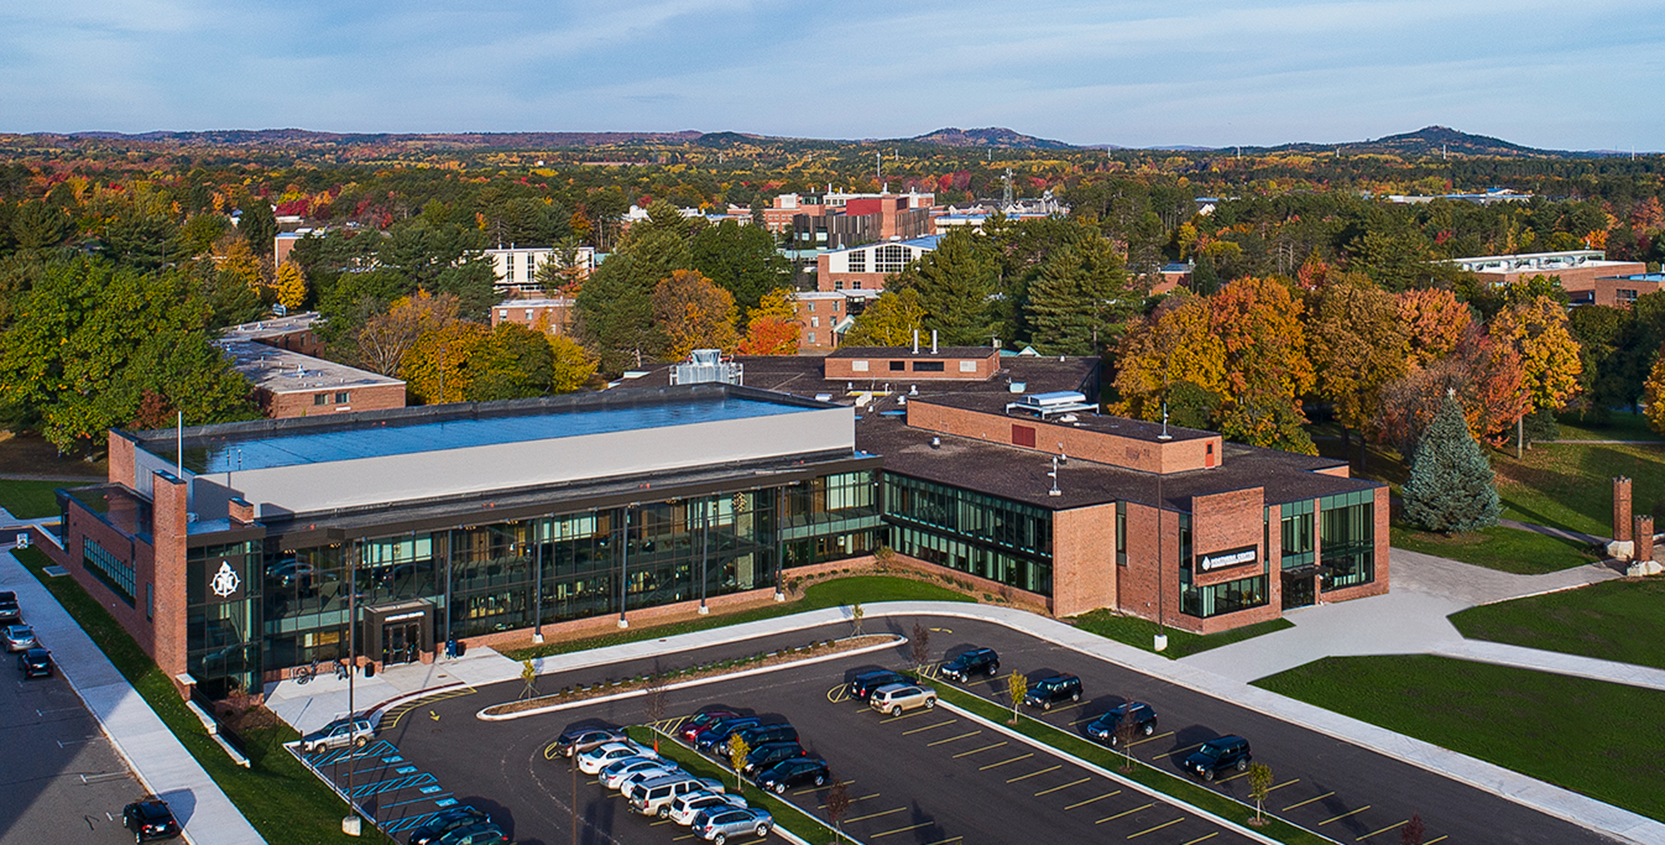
{"x": 229, "y": 550}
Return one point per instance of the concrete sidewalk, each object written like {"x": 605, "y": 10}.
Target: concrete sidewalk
{"x": 161, "y": 763}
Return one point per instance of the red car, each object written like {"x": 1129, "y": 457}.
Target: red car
{"x": 700, "y": 721}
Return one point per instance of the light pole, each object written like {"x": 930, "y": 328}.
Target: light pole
{"x": 352, "y": 825}
{"x": 624, "y": 569}
{"x": 1161, "y": 641}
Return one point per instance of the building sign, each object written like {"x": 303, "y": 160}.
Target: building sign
{"x": 1228, "y": 558}
{"x": 224, "y": 582}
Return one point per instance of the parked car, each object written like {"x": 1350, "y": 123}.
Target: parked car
{"x": 789, "y": 773}
{"x": 613, "y": 774}
{"x": 770, "y": 753}
{"x": 149, "y": 819}
{"x": 19, "y": 638}
{"x": 1104, "y": 728}
{"x": 633, "y": 783}
{"x": 339, "y": 734}
{"x": 594, "y": 760}
{"x": 474, "y": 834}
{"x": 653, "y": 798}
{"x": 719, "y": 732}
{"x": 685, "y": 807}
{"x": 578, "y": 738}
{"x": 1217, "y": 755}
{"x": 35, "y": 663}
{"x": 9, "y": 611}
{"x": 1049, "y": 691}
{"x": 895, "y": 698}
{"x": 864, "y": 684}
{"x": 446, "y": 821}
{"x": 690, "y": 729}
{"x": 978, "y": 661}
{"x": 759, "y": 734}
{"x": 718, "y": 826}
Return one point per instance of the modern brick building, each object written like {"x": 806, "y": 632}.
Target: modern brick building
{"x": 554, "y": 314}
{"x": 824, "y": 317}
{"x": 865, "y": 267}
{"x": 289, "y": 384}
{"x": 1586, "y": 275}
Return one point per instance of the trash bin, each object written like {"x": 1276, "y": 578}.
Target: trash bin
{"x": 369, "y": 670}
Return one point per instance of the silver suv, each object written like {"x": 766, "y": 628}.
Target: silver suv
{"x": 685, "y": 807}
{"x": 339, "y": 734}
{"x": 718, "y": 825}
{"x": 653, "y": 798}
{"x": 895, "y": 698}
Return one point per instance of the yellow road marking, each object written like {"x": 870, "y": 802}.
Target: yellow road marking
{"x": 1308, "y": 801}
{"x": 1432, "y": 841}
{"x": 1177, "y": 751}
{"x": 400, "y": 711}
{"x": 1233, "y": 777}
{"x": 1032, "y": 774}
{"x": 1082, "y": 719}
{"x": 1150, "y": 739}
{"x": 978, "y": 750}
{"x": 1384, "y": 830}
{"x": 1124, "y": 813}
{"x": 1155, "y": 829}
{"x": 1003, "y": 762}
{"x": 902, "y": 829}
{"x": 680, "y": 838}
{"x": 929, "y": 727}
{"x": 814, "y": 788}
{"x": 838, "y": 694}
{"x": 1091, "y": 800}
{"x": 920, "y": 712}
{"x": 658, "y": 823}
{"x": 945, "y": 841}
{"x": 876, "y": 815}
{"x": 951, "y": 739}
{"x": 1203, "y": 838}
{"x": 1344, "y": 815}
{"x": 852, "y": 800}
{"x": 1282, "y": 785}
{"x": 1065, "y": 786}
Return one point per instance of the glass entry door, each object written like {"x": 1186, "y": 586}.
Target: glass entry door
{"x": 401, "y": 641}
{"x": 1300, "y": 590}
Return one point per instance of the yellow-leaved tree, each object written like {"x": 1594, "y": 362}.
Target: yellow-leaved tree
{"x": 291, "y": 285}
{"x": 436, "y": 369}
{"x": 693, "y": 313}
{"x": 1550, "y": 363}
{"x": 573, "y": 364}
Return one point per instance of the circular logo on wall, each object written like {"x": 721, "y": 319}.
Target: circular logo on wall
{"x": 225, "y": 581}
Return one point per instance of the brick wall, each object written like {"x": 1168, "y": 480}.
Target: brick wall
{"x": 121, "y": 460}
{"x": 360, "y": 398}
{"x": 1621, "y": 507}
{"x": 1096, "y": 446}
{"x": 169, "y": 529}
{"x": 1083, "y": 559}
{"x": 878, "y": 368}
{"x": 1230, "y": 520}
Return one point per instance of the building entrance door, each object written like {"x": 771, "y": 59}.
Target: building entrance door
{"x": 1300, "y": 590}
{"x": 401, "y": 642}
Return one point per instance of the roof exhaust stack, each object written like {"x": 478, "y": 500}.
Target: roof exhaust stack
{"x": 933, "y": 341}
{"x": 916, "y": 341}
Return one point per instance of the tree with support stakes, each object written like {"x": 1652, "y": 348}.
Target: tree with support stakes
{"x": 855, "y": 619}
{"x": 1412, "y": 832}
{"x": 529, "y": 675}
{"x": 1016, "y": 685}
{"x": 1260, "y": 786}
{"x": 1127, "y": 733}
{"x": 838, "y": 803}
{"x": 1451, "y": 488}
{"x": 737, "y": 751}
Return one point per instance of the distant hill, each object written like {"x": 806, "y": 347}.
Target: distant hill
{"x": 462, "y": 140}
{"x": 995, "y": 136}
{"x": 1431, "y": 141}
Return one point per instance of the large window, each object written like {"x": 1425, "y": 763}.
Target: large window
{"x": 1348, "y": 538}
{"x": 115, "y": 573}
{"x": 1297, "y": 534}
{"x": 858, "y": 261}
{"x": 1215, "y": 599}
{"x": 983, "y": 535}
{"x": 890, "y": 258}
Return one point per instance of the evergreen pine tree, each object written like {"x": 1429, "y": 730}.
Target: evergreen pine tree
{"x": 1451, "y": 486}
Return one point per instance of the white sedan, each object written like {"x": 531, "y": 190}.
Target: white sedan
{"x": 594, "y": 760}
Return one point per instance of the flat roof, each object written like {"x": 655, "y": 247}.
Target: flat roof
{"x": 273, "y": 327}
{"x": 408, "y": 431}
{"x": 283, "y": 371}
{"x": 908, "y": 351}
{"x": 995, "y": 403}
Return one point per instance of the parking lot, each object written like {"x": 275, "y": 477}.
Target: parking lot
{"x": 62, "y": 780}
{"x": 931, "y": 778}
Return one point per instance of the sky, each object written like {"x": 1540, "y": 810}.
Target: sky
{"x": 1252, "y": 72}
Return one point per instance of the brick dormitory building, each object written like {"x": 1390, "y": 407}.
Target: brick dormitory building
{"x": 230, "y": 559}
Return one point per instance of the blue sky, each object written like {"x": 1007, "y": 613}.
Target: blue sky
{"x": 1555, "y": 75}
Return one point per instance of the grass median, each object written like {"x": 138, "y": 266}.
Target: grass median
{"x": 1171, "y": 785}
{"x": 1588, "y": 736}
{"x": 787, "y": 815}
{"x": 1614, "y": 620}
{"x": 1141, "y": 633}
{"x": 838, "y": 592}
{"x": 278, "y": 795}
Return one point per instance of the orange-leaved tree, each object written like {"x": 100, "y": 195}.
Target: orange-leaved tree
{"x": 1549, "y": 355}
{"x": 693, "y": 313}
{"x": 1358, "y": 344}
{"x": 772, "y": 327}
{"x": 1434, "y": 322}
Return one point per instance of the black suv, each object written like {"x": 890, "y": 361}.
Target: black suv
{"x": 1049, "y": 691}
{"x": 149, "y": 819}
{"x": 719, "y": 733}
{"x": 1217, "y": 755}
{"x": 9, "y": 612}
{"x": 770, "y": 753}
{"x": 865, "y": 683}
{"x": 759, "y": 734}
{"x": 1105, "y": 728}
{"x": 446, "y": 822}
{"x": 35, "y": 663}
{"x": 789, "y": 773}
{"x": 976, "y": 661}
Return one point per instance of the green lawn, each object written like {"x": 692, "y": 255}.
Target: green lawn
{"x": 1592, "y": 737}
{"x": 1141, "y": 633}
{"x": 834, "y": 593}
{"x": 1504, "y": 549}
{"x": 1619, "y": 426}
{"x": 32, "y": 499}
{"x": 1613, "y": 620}
{"x": 279, "y": 796}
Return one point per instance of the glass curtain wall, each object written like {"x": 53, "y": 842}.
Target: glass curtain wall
{"x": 982, "y": 535}
{"x": 221, "y": 638}
{"x": 1215, "y": 599}
{"x": 1348, "y": 539}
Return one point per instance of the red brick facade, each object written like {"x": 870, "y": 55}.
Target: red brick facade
{"x": 1621, "y": 508}
{"x": 878, "y": 367}
{"x": 363, "y": 397}
{"x": 1096, "y": 446}
{"x": 1083, "y": 560}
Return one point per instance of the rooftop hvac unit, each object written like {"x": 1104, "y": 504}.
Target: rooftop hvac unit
{"x": 706, "y": 366}
{"x": 1050, "y": 405}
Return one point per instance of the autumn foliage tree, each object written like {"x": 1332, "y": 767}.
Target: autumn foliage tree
{"x": 1488, "y": 381}
{"x": 693, "y": 313}
{"x": 291, "y": 285}
{"x": 890, "y": 320}
{"x": 436, "y": 369}
{"x": 1358, "y": 345}
{"x": 1433, "y": 322}
{"x": 384, "y": 338}
{"x": 772, "y": 328}
{"x": 1549, "y": 355}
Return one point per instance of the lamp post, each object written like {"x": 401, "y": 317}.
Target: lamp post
{"x": 352, "y": 824}
{"x": 624, "y": 569}
{"x": 1161, "y": 641}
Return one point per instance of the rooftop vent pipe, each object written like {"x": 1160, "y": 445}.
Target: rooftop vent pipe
{"x": 933, "y": 341}
{"x": 916, "y": 341}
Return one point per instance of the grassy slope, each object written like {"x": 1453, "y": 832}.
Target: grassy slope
{"x": 835, "y": 593}
{"x": 1505, "y": 549}
{"x": 1614, "y": 620}
{"x": 279, "y": 796}
{"x": 1141, "y": 633}
{"x": 1588, "y": 736}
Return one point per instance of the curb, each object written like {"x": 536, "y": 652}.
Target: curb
{"x": 374, "y": 712}
{"x": 792, "y": 664}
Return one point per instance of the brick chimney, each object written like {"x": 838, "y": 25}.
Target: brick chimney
{"x": 1621, "y": 509}
{"x": 240, "y": 511}
{"x": 1644, "y": 538}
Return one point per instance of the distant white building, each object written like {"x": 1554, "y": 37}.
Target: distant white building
{"x": 517, "y": 266}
